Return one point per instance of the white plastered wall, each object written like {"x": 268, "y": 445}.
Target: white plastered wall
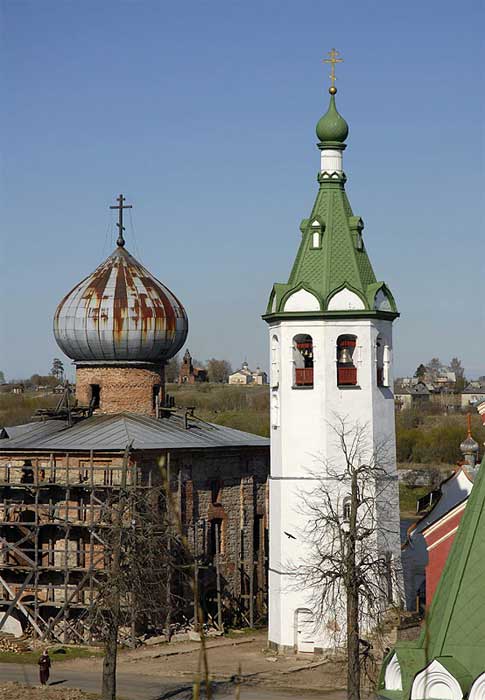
{"x": 302, "y": 301}
{"x": 304, "y": 441}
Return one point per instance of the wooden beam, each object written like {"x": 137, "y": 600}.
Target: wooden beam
{"x": 52, "y": 622}
{"x": 21, "y": 607}
{"x": 15, "y": 600}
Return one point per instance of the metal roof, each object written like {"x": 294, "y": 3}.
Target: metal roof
{"x": 114, "y": 432}
{"x": 30, "y": 431}
{"x": 120, "y": 312}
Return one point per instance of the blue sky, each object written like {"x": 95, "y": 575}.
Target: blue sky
{"x": 203, "y": 115}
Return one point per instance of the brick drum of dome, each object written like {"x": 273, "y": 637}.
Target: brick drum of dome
{"x": 120, "y": 388}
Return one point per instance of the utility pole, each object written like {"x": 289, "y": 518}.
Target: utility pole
{"x": 196, "y": 575}
{"x": 108, "y": 691}
{"x": 218, "y": 576}
{"x": 168, "y": 592}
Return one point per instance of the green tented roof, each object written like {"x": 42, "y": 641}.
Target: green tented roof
{"x": 340, "y": 261}
{"x": 454, "y": 631}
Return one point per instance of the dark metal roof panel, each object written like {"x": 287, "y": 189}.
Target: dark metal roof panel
{"x": 30, "y": 432}
{"x": 114, "y": 432}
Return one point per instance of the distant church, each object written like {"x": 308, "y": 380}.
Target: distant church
{"x": 188, "y": 374}
{"x": 244, "y": 375}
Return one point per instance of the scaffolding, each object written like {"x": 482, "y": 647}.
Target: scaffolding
{"x": 57, "y": 528}
{"x": 55, "y": 533}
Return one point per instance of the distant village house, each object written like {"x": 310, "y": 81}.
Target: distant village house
{"x": 248, "y": 376}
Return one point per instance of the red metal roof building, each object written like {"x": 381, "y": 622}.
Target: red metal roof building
{"x": 439, "y": 537}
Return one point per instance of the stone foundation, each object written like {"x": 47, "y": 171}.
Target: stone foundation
{"x": 121, "y": 388}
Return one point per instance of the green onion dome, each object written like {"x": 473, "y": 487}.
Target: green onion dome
{"x": 332, "y": 127}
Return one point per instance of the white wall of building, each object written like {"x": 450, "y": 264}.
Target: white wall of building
{"x": 302, "y": 441}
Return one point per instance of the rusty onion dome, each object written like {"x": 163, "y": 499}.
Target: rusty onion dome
{"x": 120, "y": 313}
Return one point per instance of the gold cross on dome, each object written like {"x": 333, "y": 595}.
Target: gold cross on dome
{"x": 334, "y": 58}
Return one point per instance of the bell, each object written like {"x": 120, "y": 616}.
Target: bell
{"x": 344, "y": 357}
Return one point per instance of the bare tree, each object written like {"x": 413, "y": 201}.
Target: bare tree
{"x": 218, "y": 370}
{"x": 349, "y": 570}
{"x": 172, "y": 369}
{"x": 144, "y": 555}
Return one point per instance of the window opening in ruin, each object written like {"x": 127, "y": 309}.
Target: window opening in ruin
{"x": 27, "y": 473}
{"x": 156, "y": 397}
{"x": 346, "y": 369}
{"x": 303, "y": 361}
{"x": 95, "y": 396}
{"x": 215, "y": 537}
{"x": 216, "y": 491}
{"x": 258, "y": 540}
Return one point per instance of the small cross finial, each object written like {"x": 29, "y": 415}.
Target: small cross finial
{"x": 334, "y": 58}
{"x": 120, "y": 206}
{"x": 469, "y": 424}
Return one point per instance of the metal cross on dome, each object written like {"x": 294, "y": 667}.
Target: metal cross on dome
{"x": 120, "y": 206}
{"x": 334, "y": 58}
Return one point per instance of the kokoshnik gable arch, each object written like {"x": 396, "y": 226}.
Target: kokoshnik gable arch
{"x": 330, "y": 330}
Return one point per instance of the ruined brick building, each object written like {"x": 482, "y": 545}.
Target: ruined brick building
{"x": 59, "y": 474}
{"x": 188, "y": 374}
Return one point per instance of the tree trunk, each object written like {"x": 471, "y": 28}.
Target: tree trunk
{"x": 111, "y": 641}
{"x": 352, "y": 590}
{"x": 353, "y": 658}
{"x": 108, "y": 691}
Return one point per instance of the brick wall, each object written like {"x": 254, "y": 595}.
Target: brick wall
{"x": 121, "y": 388}
{"x": 227, "y": 485}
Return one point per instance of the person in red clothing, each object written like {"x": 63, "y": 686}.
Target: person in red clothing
{"x": 44, "y": 667}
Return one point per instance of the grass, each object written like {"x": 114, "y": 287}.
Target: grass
{"x": 430, "y": 440}
{"x": 408, "y": 497}
{"x": 19, "y": 408}
{"x": 241, "y": 407}
{"x": 57, "y": 653}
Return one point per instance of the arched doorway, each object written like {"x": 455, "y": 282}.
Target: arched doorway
{"x": 304, "y": 631}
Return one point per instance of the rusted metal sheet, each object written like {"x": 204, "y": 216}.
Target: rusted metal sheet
{"x": 120, "y": 312}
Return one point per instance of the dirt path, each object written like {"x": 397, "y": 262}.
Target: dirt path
{"x": 179, "y": 661}
{"x": 155, "y": 672}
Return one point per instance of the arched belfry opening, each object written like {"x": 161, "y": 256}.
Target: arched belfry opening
{"x": 303, "y": 361}
{"x": 346, "y": 368}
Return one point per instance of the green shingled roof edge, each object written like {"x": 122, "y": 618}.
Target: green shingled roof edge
{"x": 340, "y": 261}
{"x": 454, "y": 630}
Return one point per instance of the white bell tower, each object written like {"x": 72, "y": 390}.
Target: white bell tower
{"x": 330, "y": 333}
